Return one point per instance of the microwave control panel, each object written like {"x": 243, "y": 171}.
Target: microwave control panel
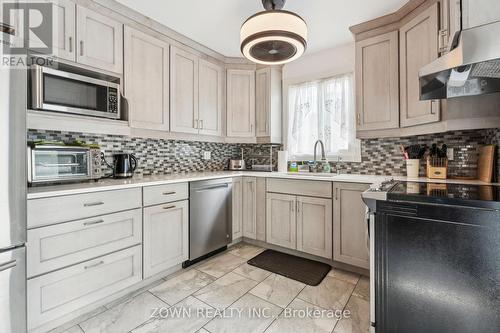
{"x": 112, "y": 100}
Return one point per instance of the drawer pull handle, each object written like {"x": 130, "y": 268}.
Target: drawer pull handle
{"x": 8, "y": 265}
{"x": 169, "y": 193}
{"x": 169, "y": 207}
{"x": 91, "y": 204}
{"x": 93, "y": 222}
{"x": 95, "y": 265}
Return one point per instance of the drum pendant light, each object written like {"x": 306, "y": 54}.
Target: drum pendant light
{"x": 273, "y": 36}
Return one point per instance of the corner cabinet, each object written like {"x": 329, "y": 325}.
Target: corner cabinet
{"x": 349, "y": 225}
{"x": 377, "y": 79}
{"x": 166, "y": 236}
{"x": 249, "y": 207}
{"x": 146, "y": 80}
{"x": 240, "y": 104}
{"x": 100, "y": 40}
{"x": 268, "y": 105}
{"x": 419, "y": 46}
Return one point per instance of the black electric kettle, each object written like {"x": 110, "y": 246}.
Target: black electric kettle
{"x": 124, "y": 165}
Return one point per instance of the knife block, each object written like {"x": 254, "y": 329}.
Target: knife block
{"x": 437, "y": 167}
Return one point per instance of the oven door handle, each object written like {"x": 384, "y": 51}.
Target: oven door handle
{"x": 58, "y": 164}
{"x": 37, "y": 87}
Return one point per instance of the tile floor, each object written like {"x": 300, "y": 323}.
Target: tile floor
{"x": 225, "y": 294}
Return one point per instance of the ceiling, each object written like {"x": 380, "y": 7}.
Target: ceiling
{"x": 216, "y": 23}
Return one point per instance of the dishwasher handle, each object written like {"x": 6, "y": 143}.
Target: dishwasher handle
{"x": 208, "y": 188}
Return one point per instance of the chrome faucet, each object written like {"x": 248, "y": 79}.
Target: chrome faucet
{"x": 323, "y": 157}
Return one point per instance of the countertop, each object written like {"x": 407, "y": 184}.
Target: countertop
{"x": 38, "y": 192}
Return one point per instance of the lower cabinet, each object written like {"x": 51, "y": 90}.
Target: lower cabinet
{"x": 237, "y": 208}
{"x": 349, "y": 225}
{"x": 56, "y": 294}
{"x": 249, "y": 207}
{"x": 314, "y": 226}
{"x": 166, "y": 236}
{"x": 281, "y": 224}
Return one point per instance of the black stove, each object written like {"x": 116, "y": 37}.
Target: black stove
{"x": 481, "y": 196}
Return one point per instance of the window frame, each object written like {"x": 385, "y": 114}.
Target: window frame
{"x": 353, "y": 154}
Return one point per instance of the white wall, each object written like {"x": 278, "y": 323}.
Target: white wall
{"x": 322, "y": 64}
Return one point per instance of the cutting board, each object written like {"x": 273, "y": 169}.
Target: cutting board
{"x": 485, "y": 163}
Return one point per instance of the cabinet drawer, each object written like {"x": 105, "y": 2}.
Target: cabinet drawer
{"x": 56, "y": 294}
{"x": 159, "y": 194}
{"x": 300, "y": 187}
{"x": 57, "y": 246}
{"x": 48, "y": 211}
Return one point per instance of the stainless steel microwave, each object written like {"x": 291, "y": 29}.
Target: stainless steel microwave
{"x": 49, "y": 164}
{"x": 66, "y": 92}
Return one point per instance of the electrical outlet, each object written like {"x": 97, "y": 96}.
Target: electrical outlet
{"x": 449, "y": 154}
{"x": 207, "y": 155}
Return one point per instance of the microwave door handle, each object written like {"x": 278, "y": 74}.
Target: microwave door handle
{"x": 37, "y": 87}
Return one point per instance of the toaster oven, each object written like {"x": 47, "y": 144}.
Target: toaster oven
{"x": 48, "y": 164}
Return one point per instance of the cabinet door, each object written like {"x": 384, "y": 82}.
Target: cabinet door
{"x": 63, "y": 29}
{"x": 451, "y": 18}
{"x": 237, "y": 208}
{"x": 184, "y": 91}
{"x": 100, "y": 40}
{"x": 418, "y": 47}
{"x": 210, "y": 98}
{"x": 249, "y": 207}
{"x": 349, "y": 225}
{"x": 262, "y": 101}
{"x": 260, "y": 210}
{"x": 377, "y": 90}
{"x": 166, "y": 236}
{"x": 146, "y": 80}
{"x": 479, "y": 12}
{"x": 314, "y": 226}
{"x": 281, "y": 221}
{"x": 240, "y": 103}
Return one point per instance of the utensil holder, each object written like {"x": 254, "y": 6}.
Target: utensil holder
{"x": 412, "y": 168}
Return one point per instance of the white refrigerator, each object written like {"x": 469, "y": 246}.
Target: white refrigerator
{"x": 13, "y": 85}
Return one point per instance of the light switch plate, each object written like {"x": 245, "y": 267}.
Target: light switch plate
{"x": 449, "y": 154}
{"x": 207, "y": 155}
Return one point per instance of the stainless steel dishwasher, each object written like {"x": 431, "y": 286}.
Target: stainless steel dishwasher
{"x": 210, "y": 218}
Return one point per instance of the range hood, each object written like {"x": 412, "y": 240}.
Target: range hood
{"x": 471, "y": 68}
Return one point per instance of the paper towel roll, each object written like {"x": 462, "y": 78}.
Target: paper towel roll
{"x": 282, "y": 161}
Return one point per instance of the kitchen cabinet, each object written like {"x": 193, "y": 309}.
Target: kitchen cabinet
{"x": 418, "y": 47}
{"x": 237, "y": 208}
{"x": 281, "y": 221}
{"x": 268, "y": 95}
{"x": 210, "y": 98}
{"x": 146, "y": 80}
{"x": 166, "y": 236}
{"x": 349, "y": 225}
{"x": 240, "y": 120}
{"x": 314, "y": 226}
{"x": 249, "y": 207}
{"x": 100, "y": 40}
{"x": 59, "y": 293}
{"x": 63, "y": 28}
{"x": 451, "y": 24}
{"x": 260, "y": 207}
{"x": 377, "y": 79}
{"x": 184, "y": 91}
{"x": 479, "y": 12}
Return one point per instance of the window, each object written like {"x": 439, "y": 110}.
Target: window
{"x": 324, "y": 110}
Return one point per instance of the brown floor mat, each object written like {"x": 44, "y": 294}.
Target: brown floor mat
{"x": 303, "y": 270}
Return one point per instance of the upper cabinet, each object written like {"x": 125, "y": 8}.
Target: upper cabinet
{"x": 240, "y": 103}
{"x": 100, "y": 40}
{"x": 184, "y": 92}
{"x": 146, "y": 80}
{"x": 479, "y": 12}
{"x": 418, "y": 47}
{"x": 268, "y": 105}
{"x": 377, "y": 79}
{"x": 63, "y": 27}
{"x": 210, "y": 98}
{"x": 196, "y": 94}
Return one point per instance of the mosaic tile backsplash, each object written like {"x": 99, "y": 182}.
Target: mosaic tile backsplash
{"x": 378, "y": 156}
